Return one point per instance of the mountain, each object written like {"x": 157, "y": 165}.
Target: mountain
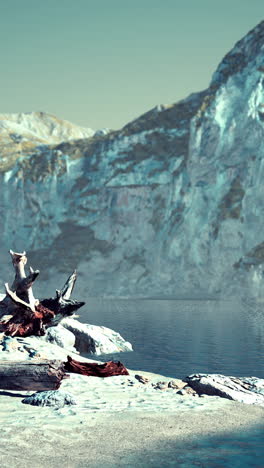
{"x": 171, "y": 204}
{"x": 22, "y": 134}
{"x": 41, "y": 127}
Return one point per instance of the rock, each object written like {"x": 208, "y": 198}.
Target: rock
{"x": 60, "y": 336}
{"x": 160, "y": 385}
{"x": 102, "y": 132}
{"x": 59, "y": 341}
{"x": 181, "y": 392}
{"x": 177, "y": 384}
{"x": 50, "y": 398}
{"x": 92, "y": 339}
{"x": 130, "y": 383}
{"x": 190, "y": 391}
{"x": 142, "y": 379}
{"x": 9, "y": 344}
{"x": 32, "y": 347}
{"x": 248, "y": 390}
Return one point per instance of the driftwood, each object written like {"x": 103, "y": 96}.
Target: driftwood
{"x": 31, "y": 375}
{"x": 23, "y": 315}
{"x": 107, "y": 369}
{"x": 62, "y": 305}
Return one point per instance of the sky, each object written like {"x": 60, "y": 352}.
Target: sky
{"x": 103, "y": 63}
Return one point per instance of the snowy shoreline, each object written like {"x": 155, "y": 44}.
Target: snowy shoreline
{"x": 114, "y": 420}
{"x": 113, "y": 423}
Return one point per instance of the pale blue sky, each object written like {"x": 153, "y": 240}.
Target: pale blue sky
{"x": 102, "y": 63}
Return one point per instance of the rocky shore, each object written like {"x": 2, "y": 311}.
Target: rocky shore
{"x": 71, "y": 337}
{"x": 113, "y": 421}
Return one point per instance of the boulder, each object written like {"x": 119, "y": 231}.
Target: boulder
{"x": 248, "y": 390}
{"x": 92, "y": 339}
{"x": 60, "y": 336}
{"x": 55, "y": 398}
{"x": 31, "y": 347}
{"x": 60, "y": 341}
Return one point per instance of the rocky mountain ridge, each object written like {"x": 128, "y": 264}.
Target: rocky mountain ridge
{"x": 25, "y": 133}
{"x": 171, "y": 204}
{"x": 42, "y": 127}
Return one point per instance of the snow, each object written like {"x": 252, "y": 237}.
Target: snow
{"x": 43, "y": 126}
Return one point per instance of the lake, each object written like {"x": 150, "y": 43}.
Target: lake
{"x": 180, "y": 337}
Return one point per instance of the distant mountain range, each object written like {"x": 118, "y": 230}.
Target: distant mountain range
{"x": 171, "y": 204}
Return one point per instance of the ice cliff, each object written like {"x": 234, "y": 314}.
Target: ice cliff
{"x": 170, "y": 204}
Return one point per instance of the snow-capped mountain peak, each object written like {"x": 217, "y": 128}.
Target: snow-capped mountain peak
{"x": 43, "y": 126}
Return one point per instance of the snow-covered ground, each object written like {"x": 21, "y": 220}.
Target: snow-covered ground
{"x": 115, "y": 424}
{"x": 114, "y": 421}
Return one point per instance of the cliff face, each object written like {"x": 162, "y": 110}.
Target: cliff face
{"x": 170, "y": 204}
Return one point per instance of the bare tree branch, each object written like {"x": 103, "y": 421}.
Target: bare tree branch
{"x": 19, "y": 302}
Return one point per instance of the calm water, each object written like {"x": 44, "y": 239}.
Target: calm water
{"x": 177, "y": 338}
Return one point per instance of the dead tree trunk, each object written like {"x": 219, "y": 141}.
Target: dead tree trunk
{"x": 62, "y": 305}
{"x": 22, "y": 284}
{"x": 23, "y": 315}
{"x": 31, "y": 375}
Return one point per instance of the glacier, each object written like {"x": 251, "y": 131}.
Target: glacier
{"x": 170, "y": 204}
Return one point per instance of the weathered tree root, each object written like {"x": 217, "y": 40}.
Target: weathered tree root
{"x": 23, "y": 315}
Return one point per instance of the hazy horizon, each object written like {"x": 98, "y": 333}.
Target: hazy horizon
{"x": 103, "y": 65}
